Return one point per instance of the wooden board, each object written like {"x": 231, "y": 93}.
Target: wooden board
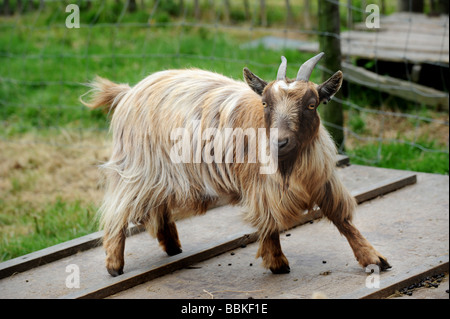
{"x": 402, "y": 37}
{"x": 407, "y": 90}
{"x": 127, "y": 281}
{"x": 387, "y": 287}
{"x": 382, "y": 52}
{"x": 56, "y": 252}
{"x": 416, "y": 22}
{"x": 408, "y": 226}
{"x": 211, "y": 232}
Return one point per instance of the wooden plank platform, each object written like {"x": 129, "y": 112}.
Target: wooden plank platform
{"x": 202, "y": 237}
{"x": 244, "y": 237}
{"x": 402, "y": 37}
{"x": 409, "y": 226}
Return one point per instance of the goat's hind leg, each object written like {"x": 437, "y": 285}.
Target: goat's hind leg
{"x": 114, "y": 246}
{"x": 162, "y": 226}
{"x": 168, "y": 236}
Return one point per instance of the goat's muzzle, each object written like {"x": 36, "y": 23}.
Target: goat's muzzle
{"x": 286, "y": 144}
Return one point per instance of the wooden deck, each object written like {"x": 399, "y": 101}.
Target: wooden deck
{"x": 402, "y": 37}
{"x": 404, "y": 214}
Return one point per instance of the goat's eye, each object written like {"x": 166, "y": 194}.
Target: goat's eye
{"x": 312, "y": 106}
{"x": 264, "y": 104}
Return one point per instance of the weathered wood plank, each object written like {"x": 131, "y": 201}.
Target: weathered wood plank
{"x": 131, "y": 279}
{"x": 342, "y": 160}
{"x": 142, "y": 249}
{"x": 410, "y": 22}
{"x": 411, "y": 37}
{"x": 56, "y": 252}
{"x": 409, "y": 227}
{"x": 137, "y": 277}
{"x": 401, "y": 39}
{"x": 382, "y": 188}
{"x": 387, "y": 41}
{"x": 373, "y": 52}
{"x": 404, "y": 89}
{"x": 389, "y": 286}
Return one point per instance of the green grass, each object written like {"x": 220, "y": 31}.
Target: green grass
{"x": 31, "y": 230}
{"x": 43, "y": 72}
{"x": 401, "y": 156}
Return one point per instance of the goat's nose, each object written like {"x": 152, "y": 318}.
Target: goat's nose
{"x": 282, "y": 143}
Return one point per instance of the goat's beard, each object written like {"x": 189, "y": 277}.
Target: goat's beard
{"x": 286, "y": 165}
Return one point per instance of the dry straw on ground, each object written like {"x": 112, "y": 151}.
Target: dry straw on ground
{"x": 63, "y": 167}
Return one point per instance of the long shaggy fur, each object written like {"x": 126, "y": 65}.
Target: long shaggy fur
{"x": 141, "y": 176}
{"x": 145, "y": 186}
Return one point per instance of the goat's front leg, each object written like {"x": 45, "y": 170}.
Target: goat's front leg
{"x": 271, "y": 253}
{"x": 364, "y": 252}
{"x": 338, "y": 205}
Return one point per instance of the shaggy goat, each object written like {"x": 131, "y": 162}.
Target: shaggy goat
{"x": 145, "y": 186}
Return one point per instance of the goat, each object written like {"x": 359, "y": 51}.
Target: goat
{"x": 144, "y": 186}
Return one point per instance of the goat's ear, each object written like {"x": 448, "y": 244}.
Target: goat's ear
{"x": 254, "y": 82}
{"x": 330, "y": 87}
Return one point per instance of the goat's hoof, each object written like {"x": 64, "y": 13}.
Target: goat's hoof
{"x": 383, "y": 264}
{"x": 375, "y": 259}
{"x": 115, "y": 272}
{"x": 285, "y": 269}
{"x": 172, "y": 251}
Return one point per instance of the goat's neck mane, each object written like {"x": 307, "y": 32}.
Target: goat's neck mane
{"x": 310, "y": 164}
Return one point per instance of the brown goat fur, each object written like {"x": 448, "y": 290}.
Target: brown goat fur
{"x": 145, "y": 186}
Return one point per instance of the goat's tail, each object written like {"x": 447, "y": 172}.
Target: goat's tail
{"x": 105, "y": 94}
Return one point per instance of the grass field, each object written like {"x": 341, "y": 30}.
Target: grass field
{"x": 51, "y": 145}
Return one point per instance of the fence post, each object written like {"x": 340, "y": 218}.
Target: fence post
{"x": 329, "y": 39}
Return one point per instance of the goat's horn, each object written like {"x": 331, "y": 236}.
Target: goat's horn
{"x": 306, "y": 69}
{"x": 281, "y": 75}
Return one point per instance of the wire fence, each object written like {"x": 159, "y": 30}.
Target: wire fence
{"x": 47, "y": 52}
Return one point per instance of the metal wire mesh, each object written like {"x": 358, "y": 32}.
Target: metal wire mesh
{"x": 44, "y": 63}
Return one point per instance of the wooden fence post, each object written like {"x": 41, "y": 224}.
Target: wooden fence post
{"x": 329, "y": 39}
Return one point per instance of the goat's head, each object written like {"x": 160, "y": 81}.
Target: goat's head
{"x": 291, "y": 105}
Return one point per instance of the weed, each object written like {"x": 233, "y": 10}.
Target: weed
{"x": 54, "y": 223}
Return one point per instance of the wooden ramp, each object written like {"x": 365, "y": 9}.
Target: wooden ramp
{"x": 403, "y": 214}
